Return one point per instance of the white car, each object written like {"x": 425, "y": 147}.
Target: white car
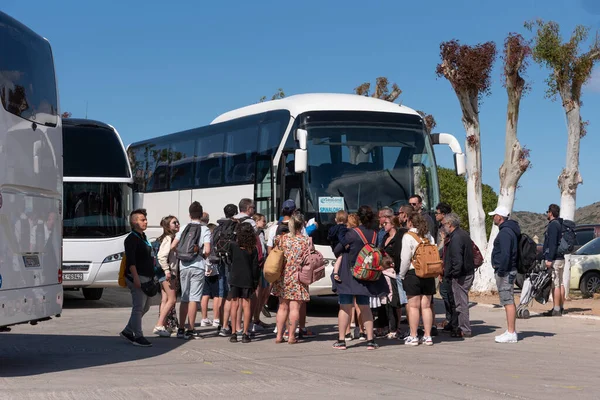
{"x": 585, "y": 268}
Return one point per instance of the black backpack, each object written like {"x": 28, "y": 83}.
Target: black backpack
{"x": 568, "y": 237}
{"x": 282, "y": 229}
{"x": 222, "y": 237}
{"x": 526, "y": 253}
{"x": 188, "y": 247}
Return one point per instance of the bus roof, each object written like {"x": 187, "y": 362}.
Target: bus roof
{"x": 301, "y": 103}
{"x": 85, "y": 122}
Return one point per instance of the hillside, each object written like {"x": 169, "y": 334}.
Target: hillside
{"x": 535, "y": 223}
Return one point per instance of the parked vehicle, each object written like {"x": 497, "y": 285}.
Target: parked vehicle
{"x": 585, "y": 268}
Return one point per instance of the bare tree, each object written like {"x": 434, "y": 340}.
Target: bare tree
{"x": 382, "y": 90}
{"x": 468, "y": 69}
{"x": 570, "y": 70}
{"x": 516, "y": 157}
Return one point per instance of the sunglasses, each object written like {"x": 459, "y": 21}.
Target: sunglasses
{"x": 414, "y": 204}
{"x": 176, "y": 222}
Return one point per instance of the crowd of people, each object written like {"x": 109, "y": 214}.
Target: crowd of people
{"x": 224, "y": 262}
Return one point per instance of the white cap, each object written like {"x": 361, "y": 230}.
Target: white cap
{"x": 501, "y": 211}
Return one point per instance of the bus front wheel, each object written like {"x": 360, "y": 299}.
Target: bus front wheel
{"x": 92, "y": 293}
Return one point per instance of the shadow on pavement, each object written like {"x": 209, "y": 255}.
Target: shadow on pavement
{"x": 531, "y": 334}
{"x": 27, "y": 355}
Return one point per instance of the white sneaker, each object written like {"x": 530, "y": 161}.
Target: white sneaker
{"x": 275, "y": 330}
{"x": 507, "y": 337}
{"x": 256, "y": 328}
{"x": 412, "y": 341}
{"x": 216, "y": 323}
{"x": 206, "y": 322}
{"x": 161, "y": 331}
{"x": 427, "y": 341}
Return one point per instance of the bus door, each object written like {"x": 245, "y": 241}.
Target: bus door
{"x": 264, "y": 187}
{"x": 289, "y": 183}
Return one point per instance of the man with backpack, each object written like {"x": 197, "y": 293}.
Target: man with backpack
{"x": 222, "y": 237}
{"x": 504, "y": 261}
{"x": 555, "y": 259}
{"x": 193, "y": 245}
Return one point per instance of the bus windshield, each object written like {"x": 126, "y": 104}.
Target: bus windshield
{"x": 96, "y": 209}
{"x": 360, "y": 161}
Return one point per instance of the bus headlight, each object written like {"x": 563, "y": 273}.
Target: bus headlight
{"x": 114, "y": 257}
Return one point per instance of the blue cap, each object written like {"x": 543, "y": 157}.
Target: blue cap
{"x": 289, "y": 205}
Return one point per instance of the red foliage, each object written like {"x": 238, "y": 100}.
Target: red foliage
{"x": 517, "y": 51}
{"x": 468, "y": 68}
{"x": 66, "y": 114}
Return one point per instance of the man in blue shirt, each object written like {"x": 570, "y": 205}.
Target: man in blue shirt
{"x": 554, "y": 260}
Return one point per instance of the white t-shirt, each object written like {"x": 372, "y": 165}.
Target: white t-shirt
{"x": 272, "y": 231}
{"x": 205, "y": 237}
{"x": 409, "y": 245}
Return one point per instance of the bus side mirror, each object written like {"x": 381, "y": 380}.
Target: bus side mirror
{"x": 460, "y": 164}
{"x": 301, "y": 137}
{"x": 300, "y": 161}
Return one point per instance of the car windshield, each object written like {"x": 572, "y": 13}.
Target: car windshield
{"x": 590, "y": 248}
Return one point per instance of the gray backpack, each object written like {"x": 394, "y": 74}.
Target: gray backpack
{"x": 188, "y": 248}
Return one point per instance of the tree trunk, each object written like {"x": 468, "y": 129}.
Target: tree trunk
{"x": 474, "y": 191}
{"x": 570, "y": 177}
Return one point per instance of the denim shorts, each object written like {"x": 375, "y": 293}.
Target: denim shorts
{"x": 345, "y": 299}
{"x": 506, "y": 288}
{"x": 215, "y": 286}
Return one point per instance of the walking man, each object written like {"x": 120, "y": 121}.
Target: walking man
{"x": 504, "y": 262}
{"x": 554, "y": 260}
{"x": 140, "y": 269}
{"x": 459, "y": 270}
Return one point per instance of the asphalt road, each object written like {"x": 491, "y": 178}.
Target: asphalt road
{"x": 80, "y": 356}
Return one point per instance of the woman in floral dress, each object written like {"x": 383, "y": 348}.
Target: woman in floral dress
{"x": 291, "y": 292}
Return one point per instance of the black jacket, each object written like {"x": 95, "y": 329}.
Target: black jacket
{"x": 504, "y": 255}
{"x": 244, "y": 268}
{"x": 552, "y": 240}
{"x": 458, "y": 258}
{"x": 337, "y": 234}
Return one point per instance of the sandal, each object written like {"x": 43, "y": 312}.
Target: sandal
{"x": 371, "y": 345}
{"x": 292, "y": 341}
{"x": 279, "y": 341}
{"x": 337, "y": 278}
{"x": 340, "y": 345}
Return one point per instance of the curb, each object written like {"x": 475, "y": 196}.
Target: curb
{"x": 575, "y": 316}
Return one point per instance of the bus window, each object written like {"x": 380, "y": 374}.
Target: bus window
{"x": 158, "y": 168}
{"x": 182, "y": 165}
{"x": 137, "y": 160}
{"x": 241, "y": 153}
{"x": 209, "y": 161}
{"x": 27, "y": 83}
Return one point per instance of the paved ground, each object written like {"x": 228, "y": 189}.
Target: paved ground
{"x": 80, "y": 356}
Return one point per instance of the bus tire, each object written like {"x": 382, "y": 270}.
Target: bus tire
{"x": 92, "y": 293}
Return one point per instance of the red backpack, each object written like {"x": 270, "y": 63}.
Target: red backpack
{"x": 368, "y": 265}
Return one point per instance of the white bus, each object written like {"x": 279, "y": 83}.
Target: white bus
{"x": 325, "y": 151}
{"x": 97, "y": 201}
{"x": 30, "y": 178}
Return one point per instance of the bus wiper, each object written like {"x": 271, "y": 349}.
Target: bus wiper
{"x": 398, "y": 183}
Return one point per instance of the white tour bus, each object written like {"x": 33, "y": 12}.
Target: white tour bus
{"x": 30, "y": 178}
{"x": 325, "y": 151}
{"x": 97, "y": 201}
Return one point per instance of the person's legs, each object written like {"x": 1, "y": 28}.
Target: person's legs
{"x": 426, "y": 314}
{"x": 294, "y": 317}
{"x": 234, "y": 309}
{"x": 343, "y": 320}
{"x": 247, "y": 307}
{"x": 446, "y": 293}
{"x": 302, "y": 316}
{"x": 196, "y": 287}
{"x": 162, "y": 308}
{"x": 558, "y": 285}
{"x": 366, "y": 315}
{"x": 217, "y": 301}
{"x": 505, "y": 286}
{"x": 412, "y": 311}
{"x": 204, "y": 305}
{"x": 139, "y": 305}
{"x": 282, "y": 316}
{"x": 460, "y": 290}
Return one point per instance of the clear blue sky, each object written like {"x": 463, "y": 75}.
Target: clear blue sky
{"x": 155, "y": 67}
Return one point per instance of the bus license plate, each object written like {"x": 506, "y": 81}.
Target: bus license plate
{"x": 31, "y": 261}
{"x": 72, "y": 277}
